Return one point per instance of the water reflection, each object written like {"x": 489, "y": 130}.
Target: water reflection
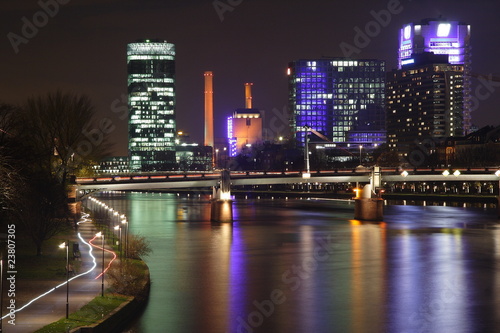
{"x": 286, "y": 266}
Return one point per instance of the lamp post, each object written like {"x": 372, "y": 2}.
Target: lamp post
{"x": 307, "y": 174}
{"x": 116, "y": 214}
{"x": 62, "y": 245}
{"x": 126, "y": 237}
{"x": 119, "y": 241}
{"x": 216, "y": 160}
{"x": 100, "y": 234}
{"x": 360, "y": 148}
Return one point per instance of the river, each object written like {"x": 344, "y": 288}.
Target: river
{"x": 307, "y": 266}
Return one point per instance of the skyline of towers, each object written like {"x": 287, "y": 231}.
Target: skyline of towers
{"x": 151, "y": 94}
{"x": 341, "y": 98}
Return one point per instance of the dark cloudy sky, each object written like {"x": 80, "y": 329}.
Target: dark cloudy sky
{"x": 83, "y": 48}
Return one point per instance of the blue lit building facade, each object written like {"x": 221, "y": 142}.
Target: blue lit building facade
{"x": 151, "y": 93}
{"x": 441, "y": 37}
{"x": 343, "y": 99}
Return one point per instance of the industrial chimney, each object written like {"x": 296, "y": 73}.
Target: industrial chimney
{"x": 209, "y": 109}
{"x": 248, "y": 95}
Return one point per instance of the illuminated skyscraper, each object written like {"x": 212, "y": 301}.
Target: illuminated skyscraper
{"x": 151, "y": 93}
{"x": 442, "y": 37}
{"x": 343, "y": 99}
{"x": 424, "y": 101}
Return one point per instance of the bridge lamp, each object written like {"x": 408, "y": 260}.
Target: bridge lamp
{"x": 225, "y": 195}
{"x": 306, "y": 175}
{"x": 497, "y": 173}
{"x": 446, "y": 173}
{"x": 456, "y": 173}
{"x": 404, "y": 173}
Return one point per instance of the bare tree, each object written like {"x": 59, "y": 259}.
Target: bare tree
{"x": 46, "y": 133}
{"x": 55, "y": 125}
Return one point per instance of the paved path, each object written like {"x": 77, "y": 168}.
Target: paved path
{"x": 52, "y": 307}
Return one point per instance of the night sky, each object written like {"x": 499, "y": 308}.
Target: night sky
{"x": 82, "y": 49}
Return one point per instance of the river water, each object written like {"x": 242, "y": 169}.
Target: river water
{"x": 307, "y": 266}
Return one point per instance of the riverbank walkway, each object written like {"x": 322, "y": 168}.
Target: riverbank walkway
{"x": 36, "y": 311}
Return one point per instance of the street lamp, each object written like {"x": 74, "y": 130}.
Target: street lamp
{"x": 126, "y": 237}
{"x": 62, "y": 245}
{"x": 307, "y": 174}
{"x": 360, "y": 148}
{"x": 100, "y": 234}
{"x": 116, "y": 214}
{"x": 118, "y": 227}
{"x": 216, "y": 161}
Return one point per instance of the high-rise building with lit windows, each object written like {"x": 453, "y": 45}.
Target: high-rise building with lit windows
{"x": 442, "y": 37}
{"x": 343, "y": 99}
{"x": 151, "y": 93}
{"x": 424, "y": 101}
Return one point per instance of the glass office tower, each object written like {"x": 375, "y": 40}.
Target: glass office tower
{"x": 343, "y": 99}
{"x": 151, "y": 93}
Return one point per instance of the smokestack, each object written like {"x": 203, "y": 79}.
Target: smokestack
{"x": 209, "y": 109}
{"x": 248, "y": 95}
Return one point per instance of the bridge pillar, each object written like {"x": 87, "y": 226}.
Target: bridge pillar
{"x": 221, "y": 211}
{"x": 222, "y": 205}
{"x": 376, "y": 179}
{"x": 367, "y": 207}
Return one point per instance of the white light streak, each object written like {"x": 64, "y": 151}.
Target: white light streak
{"x": 83, "y": 220}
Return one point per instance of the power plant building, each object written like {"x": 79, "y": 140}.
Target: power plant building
{"x": 209, "y": 109}
{"x": 151, "y": 94}
{"x": 244, "y": 128}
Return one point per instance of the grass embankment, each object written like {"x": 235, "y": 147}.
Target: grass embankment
{"x": 89, "y": 314}
{"x": 99, "y": 307}
{"x": 51, "y": 265}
